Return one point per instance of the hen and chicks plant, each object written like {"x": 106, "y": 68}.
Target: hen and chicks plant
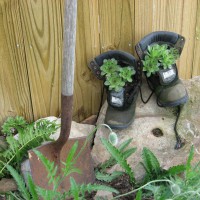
{"x": 159, "y": 57}
{"x": 116, "y": 76}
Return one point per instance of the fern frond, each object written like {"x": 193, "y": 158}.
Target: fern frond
{"x": 148, "y": 174}
{"x": 70, "y": 161}
{"x": 28, "y": 138}
{"x": 78, "y": 191}
{"x": 71, "y": 170}
{"x": 13, "y": 143}
{"x": 126, "y": 153}
{"x": 189, "y": 160}
{"x": 20, "y": 182}
{"x": 129, "y": 152}
{"x": 139, "y": 195}
{"x": 50, "y": 167}
{"x": 32, "y": 188}
{"x": 48, "y": 194}
{"x": 152, "y": 166}
{"x": 71, "y": 153}
{"x": 13, "y": 124}
{"x": 108, "y": 177}
{"x": 125, "y": 144}
{"x": 118, "y": 156}
{"x": 74, "y": 189}
{"x": 175, "y": 170}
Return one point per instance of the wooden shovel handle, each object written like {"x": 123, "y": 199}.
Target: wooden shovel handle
{"x": 69, "y": 44}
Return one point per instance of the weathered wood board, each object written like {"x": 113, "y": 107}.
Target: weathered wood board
{"x": 31, "y": 48}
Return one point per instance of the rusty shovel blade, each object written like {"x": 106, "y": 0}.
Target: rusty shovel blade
{"x": 84, "y": 163}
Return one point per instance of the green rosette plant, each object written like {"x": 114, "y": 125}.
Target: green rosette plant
{"x": 159, "y": 57}
{"x": 126, "y": 73}
{"x": 109, "y": 67}
{"x": 116, "y": 76}
{"x": 114, "y": 82}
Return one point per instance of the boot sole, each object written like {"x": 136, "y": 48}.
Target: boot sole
{"x": 175, "y": 103}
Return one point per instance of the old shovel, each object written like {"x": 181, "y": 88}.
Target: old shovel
{"x": 57, "y": 151}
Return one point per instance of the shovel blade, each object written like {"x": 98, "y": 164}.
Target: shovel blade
{"x": 84, "y": 163}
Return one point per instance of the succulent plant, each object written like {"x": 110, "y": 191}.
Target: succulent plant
{"x": 109, "y": 67}
{"x": 114, "y": 82}
{"x": 116, "y": 76}
{"x": 126, "y": 73}
{"x": 159, "y": 57}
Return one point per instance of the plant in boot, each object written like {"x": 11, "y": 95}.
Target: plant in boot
{"x": 114, "y": 82}
{"x": 122, "y": 76}
{"x": 109, "y": 67}
{"x": 169, "y": 57}
{"x": 158, "y": 52}
{"x": 116, "y": 76}
{"x": 126, "y": 73}
{"x": 159, "y": 57}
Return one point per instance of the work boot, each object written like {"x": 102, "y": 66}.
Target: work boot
{"x": 122, "y": 95}
{"x": 155, "y": 51}
{"x": 166, "y": 84}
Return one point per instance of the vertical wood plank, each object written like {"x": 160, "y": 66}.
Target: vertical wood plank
{"x": 188, "y": 31}
{"x": 196, "y": 61}
{"x": 42, "y": 29}
{"x": 14, "y": 86}
{"x": 87, "y": 87}
{"x": 167, "y": 15}
{"x": 117, "y": 24}
{"x": 143, "y": 19}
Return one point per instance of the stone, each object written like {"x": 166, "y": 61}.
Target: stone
{"x": 90, "y": 120}
{"x": 77, "y": 130}
{"x": 103, "y": 194}
{"x": 7, "y": 185}
{"x": 153, "y": 128}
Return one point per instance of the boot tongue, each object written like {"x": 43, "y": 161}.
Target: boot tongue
{"x": 167, "y": 76}
{"x": 116, "y": 98}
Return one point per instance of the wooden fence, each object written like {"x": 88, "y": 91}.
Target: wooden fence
{"x": 31, "y": 48}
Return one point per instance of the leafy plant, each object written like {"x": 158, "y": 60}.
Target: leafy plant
{"x": 29, "y": 136}
{"x": 118, "y": 156}
{"x": 112, "y": 161}
{"x": 76, "y": 191}
{"x": 20, "y": 182}
{"x": 183, "y": 187}
{"x": 126, "y": 73}
{"x": 116, "y": 76}
{"x": 153, "y": 168}
{"x": 109, "y": 67}
{"x": 100, "y": 171}
{"x": 13, "y": 125}
{"x": 102, "y": 176}
{"x": 159, "y": 57}
{"x": 150, "y": 164}
{"x": 114, "y": 82}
